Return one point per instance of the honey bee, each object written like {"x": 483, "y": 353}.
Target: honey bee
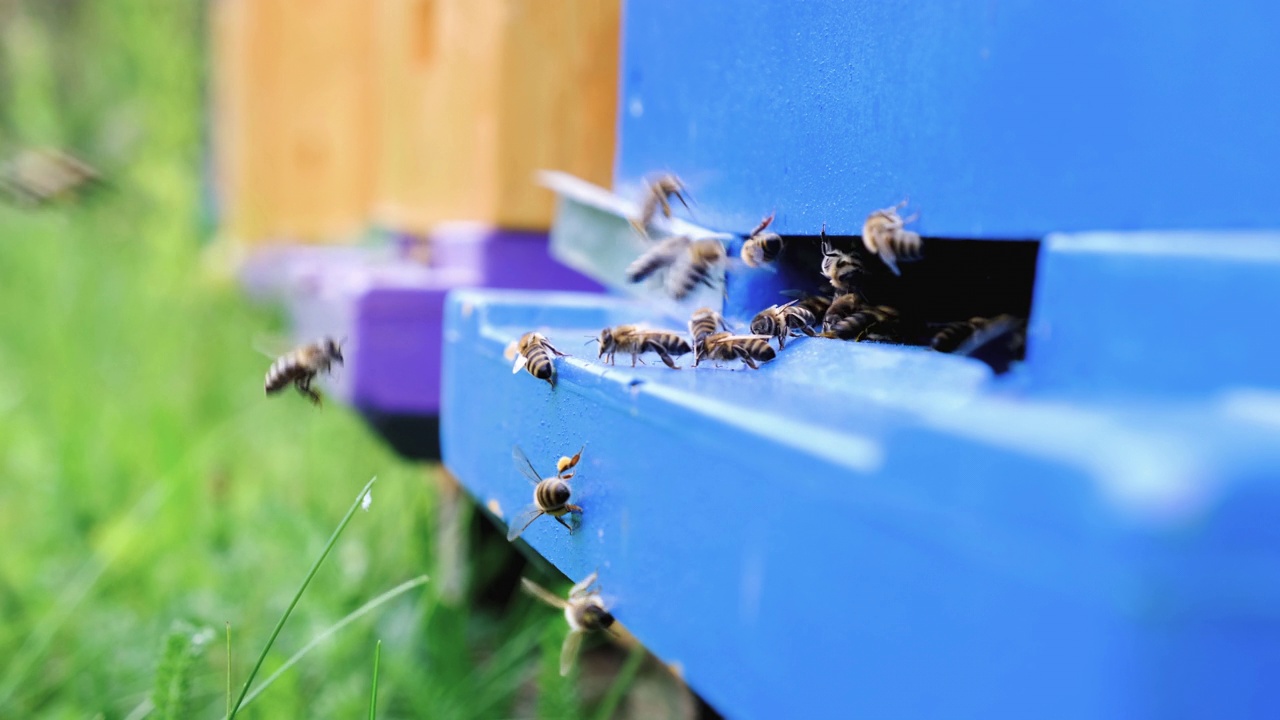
{"x": 43, "y": 175}
{"x": 585, "y": 612}
{"x": 842, "y": 269}
{"x": 841, "y": 307}
{"x": 636, "y": 340}
{"x": 657, "y": 257}
{"x": 301, "y": 365}
{"x": 781, "y": 321}
{"x": 750, "y": 349}
{"x": 859, "y": 324}
{"x": 815, "y": 304}
{"x": 695, "y": 267}
{"x": 689, "y": 263}
{"x": 657, "y": 195}
{"x": 884, "y": 235}
{"x": 953, "y": 335}
{"x": 533, "y": 352}
{"x": 550, "y": 495}
{"x": 761, "y": 248}
{"x": 702, "y": 323}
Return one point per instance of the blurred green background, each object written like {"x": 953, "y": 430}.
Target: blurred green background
{"x": 144, "y": 478}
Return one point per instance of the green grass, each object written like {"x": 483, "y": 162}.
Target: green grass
{"x": 148, "y": 490}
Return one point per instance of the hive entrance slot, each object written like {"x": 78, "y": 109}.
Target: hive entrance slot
{"x": 954, "y": 281}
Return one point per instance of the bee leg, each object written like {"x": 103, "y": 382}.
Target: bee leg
{"x": 666, "y": 357}
{"x": 565, "y": 524}
{"x": 666, "y": 206}
{"x": 746, "y": 359}
{"x": 782, "y": 341}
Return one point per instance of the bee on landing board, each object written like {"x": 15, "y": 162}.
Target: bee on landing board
{"x": 534, "y": 353}
{"x": 883, "y": 233}
{"x": 635, "y": 340}
{"x": 301, "y": 365}
{"x": 585, "y": 611}
{"x": 761, "y": 248}
{"x": 550, "y": 495}
{"x": 860, "y": 324}
{"x": 702, "y": 323}
{"x": 657, "y": 195}
{"x": 844, "y": 270}
{"x": 957, "y": 335}
{"x": 815, "y": 304}
{"x": 782, "y": 321}
{"x": 750, "y": 349}
{"x": 841, "y": 307}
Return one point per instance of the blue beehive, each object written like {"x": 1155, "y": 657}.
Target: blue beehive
{"x": 884, "y": 531}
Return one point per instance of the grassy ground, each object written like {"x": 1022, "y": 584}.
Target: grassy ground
{"x": 144, "y": 478}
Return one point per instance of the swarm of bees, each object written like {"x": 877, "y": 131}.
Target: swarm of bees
{"x": 300, "y": 366}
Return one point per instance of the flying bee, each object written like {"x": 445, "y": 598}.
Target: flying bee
{"x": 43, "y": 175}
{"x": 657, "y": 195}
{"x": 841, "y": 307}
{"x": 695, "y": 267}
{"x": 550, "y": 495}
{"x": 859, "y": 324}
{"x": 883, "y": 233}
{"x": 781, "y": 321}
{"x": 761, "y": 248}
{"x": 585, "y": 611}
{"x": 301, "y": 365}
{"x": 688, "y": 263}
{"x": 750, "y": 349}
{"x": 842, "y": 269}
{"x": 636, "y": 340}
{"x": 533, "y": 352}
{"x": 657, "y": 257}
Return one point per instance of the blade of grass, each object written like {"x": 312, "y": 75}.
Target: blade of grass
{"x": 621, "y": 684}
{"x": 354, "y": 615}
{"x": 315, "y": 567}
{"x": 373, "y": 696}
{"x": 228, "y": 668}
{"x": 33, "y": 648}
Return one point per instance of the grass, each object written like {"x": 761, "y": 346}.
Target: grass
{"x": 148, "y": 491}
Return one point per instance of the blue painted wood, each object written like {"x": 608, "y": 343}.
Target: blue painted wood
{"x": 877, "y": 531}
{"x": 1163, "y": 313}
{"x": 999, "y": 120}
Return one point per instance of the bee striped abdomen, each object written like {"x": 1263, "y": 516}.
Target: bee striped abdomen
{"x": 862, "y": 321}
{"x": 953, "y": 334}
{"x": 284, "y": 372}
{"x": 552, "y": 496}
{"x": 656, "y": 258}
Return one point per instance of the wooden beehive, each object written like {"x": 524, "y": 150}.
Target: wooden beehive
{"x": 335, "y": 114}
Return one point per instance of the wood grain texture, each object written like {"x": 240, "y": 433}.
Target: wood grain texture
{"x": 336, "y": 114}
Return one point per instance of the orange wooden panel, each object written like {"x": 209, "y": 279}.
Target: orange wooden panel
{"x": 332, "y": 113}
{"x": 293, "y": 109}
{"x": 485, "y": 93}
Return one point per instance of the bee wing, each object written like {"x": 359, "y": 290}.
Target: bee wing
{"x": 521, "y": 360}
{"x": 272, "y": 345}
{"x": 569, "y": 651}
{"x": 521, "y": 522}
{"x": 542, "y": 594}
{"x": 523, "y": 465}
